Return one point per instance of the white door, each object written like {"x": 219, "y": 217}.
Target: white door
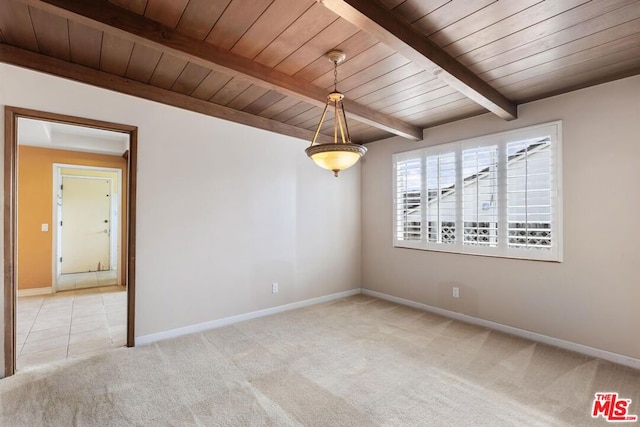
{"x": 86, "y": 204}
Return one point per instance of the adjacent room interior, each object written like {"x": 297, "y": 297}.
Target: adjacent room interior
{"x": 337, "y": 212}
{"x": 71, "y": 241}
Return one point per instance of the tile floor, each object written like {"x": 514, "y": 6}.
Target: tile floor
{"x": 93, "y": 279}
{"x": 69, "y": 324}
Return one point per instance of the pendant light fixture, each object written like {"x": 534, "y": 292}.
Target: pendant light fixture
{"x": 342, "y": 153}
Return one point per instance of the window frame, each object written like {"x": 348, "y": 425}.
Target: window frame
{"x": 502, "y": 249}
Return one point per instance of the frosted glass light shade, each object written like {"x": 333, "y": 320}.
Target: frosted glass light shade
{"x": 336, "y": 157}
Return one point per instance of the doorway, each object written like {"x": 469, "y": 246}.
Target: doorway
{"x": 107, "y": 252}
{"x": 87, "y": 226}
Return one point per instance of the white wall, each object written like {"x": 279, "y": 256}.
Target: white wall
{"x": 224, "y": 210}
{"x": 592, "y": 297}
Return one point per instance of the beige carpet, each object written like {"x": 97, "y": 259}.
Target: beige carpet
{"x": 358, "y": 361}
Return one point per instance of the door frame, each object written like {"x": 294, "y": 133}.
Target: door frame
{"x": 115, "y": 247}
{"x": 11, "y": 116}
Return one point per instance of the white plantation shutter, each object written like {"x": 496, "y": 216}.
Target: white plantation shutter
{"x": 496, "y": 195}
{"x": 480, "y": 196}
{"x": 408, "y": 200}
{"x": 441, "y": 198}
{"x": 530, "y": 193}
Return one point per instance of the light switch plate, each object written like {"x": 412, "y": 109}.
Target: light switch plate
{"x": 44, "y": 227}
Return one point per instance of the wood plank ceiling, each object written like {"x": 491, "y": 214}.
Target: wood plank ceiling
{"x": 410, "y": 64}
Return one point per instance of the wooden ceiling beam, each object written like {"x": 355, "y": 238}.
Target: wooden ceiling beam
{"x": 46, "y": 64}
{"x": 105, "y": 16}
{"x": 372, "y": 17}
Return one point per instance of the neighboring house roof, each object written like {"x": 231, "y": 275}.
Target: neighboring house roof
{"x": 482, "y": 174}
{"x": 531, "y": 149}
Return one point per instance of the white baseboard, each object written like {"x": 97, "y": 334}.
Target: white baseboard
{"x": 534, "y": 336}
{"x": 35, "y": 291}
{"x": 172, "y": 333}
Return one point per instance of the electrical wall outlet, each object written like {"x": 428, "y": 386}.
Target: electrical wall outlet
{"x": 456, "y": 292}
{"x": 274, "y": 288}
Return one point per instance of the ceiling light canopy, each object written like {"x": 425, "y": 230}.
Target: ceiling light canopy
{"x": 341, "y": 154}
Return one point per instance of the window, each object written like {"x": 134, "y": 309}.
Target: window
{"x": 497, "y": 195}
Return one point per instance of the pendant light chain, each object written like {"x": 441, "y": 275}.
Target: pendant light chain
{"x": 335, "y": 76}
